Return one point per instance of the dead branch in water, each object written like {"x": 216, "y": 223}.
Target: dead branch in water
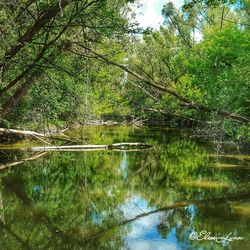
{"x": 28, "y": 133}
{"x": 126, "y": 146}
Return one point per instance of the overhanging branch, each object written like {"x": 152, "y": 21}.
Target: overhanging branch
{"x": 184, "y": 100}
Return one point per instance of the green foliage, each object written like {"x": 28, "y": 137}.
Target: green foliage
{"x": 59, "y": 70}
{"x": 213, "y": 70}
{"x": 201, "y": 53}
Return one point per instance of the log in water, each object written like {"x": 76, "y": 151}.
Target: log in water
{"x": 115, "y": 146}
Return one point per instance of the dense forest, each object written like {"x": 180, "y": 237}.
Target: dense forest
{"x": 66, "y": 62}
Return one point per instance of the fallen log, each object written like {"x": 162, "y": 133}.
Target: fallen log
{"x": 116, "y": 146}
{"x": 119, "y": 147}
{"x": 28, "y": 133}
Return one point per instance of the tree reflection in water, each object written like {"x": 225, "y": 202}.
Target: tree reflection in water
{"x": 125, "y": 200}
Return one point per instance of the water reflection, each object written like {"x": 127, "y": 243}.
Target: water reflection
{"x": 151, "y": 199}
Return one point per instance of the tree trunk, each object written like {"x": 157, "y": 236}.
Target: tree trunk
{"x": 59, "y": 137}
{"x": 14, "y": 100}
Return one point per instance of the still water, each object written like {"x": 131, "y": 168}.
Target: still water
{"x": 183, "y": 193}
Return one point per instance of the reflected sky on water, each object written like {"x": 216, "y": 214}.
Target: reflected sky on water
{"x": 149, "y": 199}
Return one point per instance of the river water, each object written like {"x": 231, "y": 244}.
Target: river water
{"x": 183, "y": 193}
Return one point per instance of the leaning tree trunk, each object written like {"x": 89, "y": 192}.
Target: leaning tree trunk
{"x": 184, "y": 100}
{"x": 14, "y": 100}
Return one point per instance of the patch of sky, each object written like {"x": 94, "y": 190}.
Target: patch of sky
{"x": 149, "y": 14}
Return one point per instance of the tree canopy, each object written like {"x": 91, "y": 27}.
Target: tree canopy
{"x": 64, "y": 61}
